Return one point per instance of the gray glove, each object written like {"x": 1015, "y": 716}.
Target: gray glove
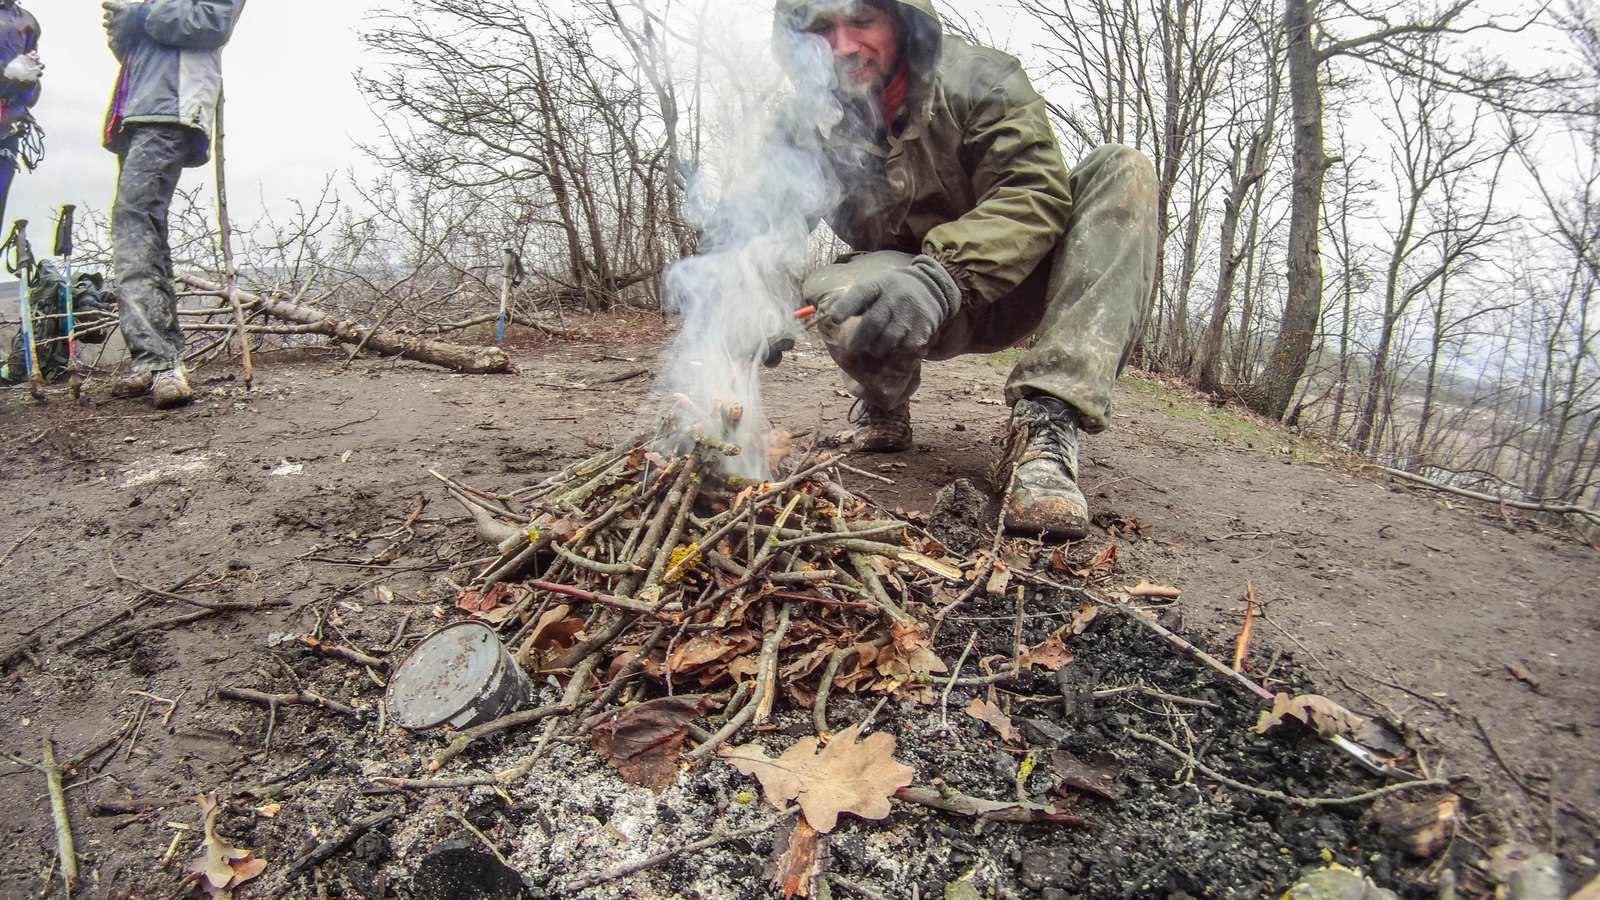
{"x": 897, "y": 301}
{"x": 121, "y": 18}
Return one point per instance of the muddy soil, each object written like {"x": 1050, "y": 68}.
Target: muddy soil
{"x": 308, "y": 501}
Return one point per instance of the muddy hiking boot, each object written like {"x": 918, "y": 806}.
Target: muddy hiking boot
{"x": 881, "y": 430}
{"x": 1042, "y": 495}
{"x": 135, "y": 385}
{"x": 170, "y": 388}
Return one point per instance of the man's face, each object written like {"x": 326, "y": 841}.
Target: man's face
{"x": 865, "y": 43}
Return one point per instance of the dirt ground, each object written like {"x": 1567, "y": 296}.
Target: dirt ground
{"x": 310, "y": 498}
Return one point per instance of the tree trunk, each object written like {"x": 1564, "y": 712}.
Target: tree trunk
{"x": 1302, "y": 310}
{"x": 468, "y": 360}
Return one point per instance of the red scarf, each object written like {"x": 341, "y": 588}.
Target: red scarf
{"x": 893, "y": 98}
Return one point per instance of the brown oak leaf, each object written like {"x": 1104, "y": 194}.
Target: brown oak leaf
{"x": 221, "y": 866}
{"x": 845, "y": 777}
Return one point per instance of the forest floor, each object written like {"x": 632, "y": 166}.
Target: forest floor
{"x": 1476, "y": 632}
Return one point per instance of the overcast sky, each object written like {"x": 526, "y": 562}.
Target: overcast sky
{"x": 294, "y": 114}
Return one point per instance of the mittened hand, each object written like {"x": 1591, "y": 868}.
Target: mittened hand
{"x": 897, "y": 301}
{"x": 24, "y": 69}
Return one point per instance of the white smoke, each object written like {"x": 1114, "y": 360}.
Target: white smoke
{"x": 739, "y": 293}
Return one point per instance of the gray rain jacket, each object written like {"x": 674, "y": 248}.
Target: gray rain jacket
{"x": 171, "y": 55}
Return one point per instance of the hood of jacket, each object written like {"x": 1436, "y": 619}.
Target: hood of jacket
{"x": 921, "y": 30}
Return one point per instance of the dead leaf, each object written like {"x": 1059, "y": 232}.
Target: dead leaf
{"x": 220, "y": 866}
{"x": 1146, "y": 590}
{"x": 1319, "y": 713}
{"x": 993, "y": 716}
{"x": 1101, "y": 566}
{"x": 845, "y": 777}
{"x": 1051, "y": 655}
{"x": 553, "y": 635}
{"x": 642, "y": 741}
{"x": 1101, "y": 777}
{"x": 1084, "y": 619}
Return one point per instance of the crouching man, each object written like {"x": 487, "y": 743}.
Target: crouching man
{"x": 972, "y": 235}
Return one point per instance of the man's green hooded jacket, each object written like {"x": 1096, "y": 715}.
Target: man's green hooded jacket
{"x": 969, "y": 173}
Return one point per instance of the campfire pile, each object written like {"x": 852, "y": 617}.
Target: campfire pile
{"x": 660, "y": 575}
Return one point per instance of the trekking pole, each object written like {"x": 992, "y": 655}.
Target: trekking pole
{"x": 20, "y": 261}
{"x": 63, "y": 250}
{"x": 226, "y": 228}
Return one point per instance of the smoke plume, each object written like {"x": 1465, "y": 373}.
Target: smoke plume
{"x": 737, "y": 296}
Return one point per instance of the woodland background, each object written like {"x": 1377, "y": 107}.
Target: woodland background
{"x": 1380, "y": 222}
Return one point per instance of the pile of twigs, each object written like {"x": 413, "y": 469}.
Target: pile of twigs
{"x": 653, "y": 573}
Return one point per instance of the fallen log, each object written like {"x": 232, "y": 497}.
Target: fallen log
{"x": 468, "y": 360}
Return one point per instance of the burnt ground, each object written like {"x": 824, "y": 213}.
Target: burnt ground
{"x": 309, "y": 496}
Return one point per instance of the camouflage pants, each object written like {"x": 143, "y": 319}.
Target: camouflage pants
{"x": 145, "y": 184}
{"x": 1085, "y": 305}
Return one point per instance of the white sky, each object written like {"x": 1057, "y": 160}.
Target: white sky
{"x": 294, "y": 113}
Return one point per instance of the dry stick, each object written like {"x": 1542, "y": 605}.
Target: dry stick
{"x": 769, "y": 684}
{"x": 869, "y": 576}
{"x": 227, "y": 244}
{"x": 944, "y": 700}
{"x": 611, "y": 570}
{"x": 326, "y": 851}
{"x": 58, "y": 812}
{"x": 1526, "y": 505}
{"x": 950, "y": 801}
{"x": 819, "y": 708}
{"x": 137, "y": 601}
{"x": 348, "y": 654}
{"x": 1359, "y": 754}
{"x": 580, "y": 676}
{"x": 466, "y": 737}
{"x": 303, "y": 698}
{"x": 628, "y": 669}
{"x": 1279, "y": 795}
{"x": 633, "y": 606}
{"x": 1243, "y": 645}
{"x": 17, "y": 543}
{"x": 583, "y": 884}
{"x": 766, "y": 669}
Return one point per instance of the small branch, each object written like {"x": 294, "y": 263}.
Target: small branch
{"x": 347, "y": 654}
{"x": 303, "y": 698}
{"x": 1279, "y": 795}
{"x": 17, "y": 543}
{"x": 642, "y": 609}
{"x": 465, "y": 738}
{"x": 58, "y": 812}
{"x": 950, "y": 801}
{"x": 1561, "y": 509}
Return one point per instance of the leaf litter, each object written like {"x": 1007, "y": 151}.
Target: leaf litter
{"x": 763, "y": 600}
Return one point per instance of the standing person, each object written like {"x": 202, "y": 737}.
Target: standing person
{"x": 972, "y": 234}
{"x": 160, "y": 122}
{"x": 20, "y": 71}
